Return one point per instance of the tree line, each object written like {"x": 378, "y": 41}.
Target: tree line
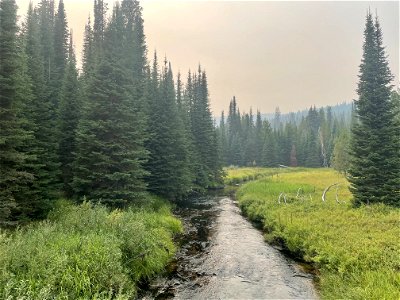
{"x": 250, "y": 140}
{"x": 119, "y": 129}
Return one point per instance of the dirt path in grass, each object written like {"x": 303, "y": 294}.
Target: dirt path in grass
{"x": 224, "y": 257}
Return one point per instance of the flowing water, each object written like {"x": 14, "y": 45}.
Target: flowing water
{"x": 223, "y": 256}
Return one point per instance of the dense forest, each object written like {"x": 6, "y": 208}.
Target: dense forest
{"x": 118, "y": 129}
{"x": 251, "y": 140}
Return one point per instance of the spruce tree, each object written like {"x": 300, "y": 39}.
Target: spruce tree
{"x": 69, "y": 114}
{"x": 375, "y": 161}
{"x": 269, "y": 146}
{"x": 46, "y": 169}
{"x": 168, "y": 164}
{"x": 110, "y": 136}
{"x": 13, "y": 137}
{"x": 60, "y": 50}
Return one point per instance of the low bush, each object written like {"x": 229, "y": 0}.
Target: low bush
{"x": 87, "y": 252}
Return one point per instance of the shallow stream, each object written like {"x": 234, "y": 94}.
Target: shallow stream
{"x": 223, "y": 256}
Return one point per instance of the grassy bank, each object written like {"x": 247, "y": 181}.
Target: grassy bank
{"x": 87, "y": 252}
{"x": 356, "y": 251}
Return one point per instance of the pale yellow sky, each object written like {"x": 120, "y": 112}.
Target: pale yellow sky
{"x": 287, "y": 54}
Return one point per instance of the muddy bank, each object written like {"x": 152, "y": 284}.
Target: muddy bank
{"x": 224, "y": 257}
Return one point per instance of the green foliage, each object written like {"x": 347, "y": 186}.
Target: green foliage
{"x": 87, "y": 252}
{"x": 375, "y": 146}
{"x": 355, "y": 250}
{"x": 307, "y": 142}
{"x": 15, "y": 137}
{"x": 110, "y": 135}
{"x": 340, "y": 155}
{"x": 168, "y": 164}
{"x": 238, "y": 175}
{"x": 70, "y": 112}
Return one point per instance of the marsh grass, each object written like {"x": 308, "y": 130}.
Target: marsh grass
{"x": 356, "y": 251}
{"x": 239, "y": 175}
{"x": 87, "y": 252}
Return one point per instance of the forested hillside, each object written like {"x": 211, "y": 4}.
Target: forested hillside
{"x": 119, "y": 129}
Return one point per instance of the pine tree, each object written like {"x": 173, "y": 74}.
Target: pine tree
{"x": 293, "y": 157}
{"x": 375, "y": 162}
{"x": 110, "y": 152}
{"x": 70, "y": 108}
{"x": 60, "y": 52}
{"x": 269, "y": 148}
{"x": 13, "y": 137}
{"x": 168, "y": 163}
{"x": 46, "y": 169}
{"x": 207, "y": 169}
{"x": 340, "y": 156}
{"x": 259, "y": 139}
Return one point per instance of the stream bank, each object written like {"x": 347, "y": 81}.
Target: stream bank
{"x": 222, "y": 256}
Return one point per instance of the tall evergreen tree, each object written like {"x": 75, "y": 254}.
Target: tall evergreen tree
{"x": 13, "y": 138}
{"x": 60, "y": 51}
{"x": 375, "y": 161}
{"x": 168, "y": 163}
{"x": 46, "y": 170}
{"x": 70, "y": 108}
{"x": 110, "y": 152}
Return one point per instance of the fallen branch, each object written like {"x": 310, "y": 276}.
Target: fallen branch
{"x": 279, "y": 199}
{"x": 327, "y": 189}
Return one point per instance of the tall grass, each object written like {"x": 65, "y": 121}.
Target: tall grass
{"x": 239, "y": 175}
{"x": 357, "y": 251}
{"x": 86, "y": 252}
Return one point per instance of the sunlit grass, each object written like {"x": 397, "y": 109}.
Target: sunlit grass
{"x": 87, "y": 252}
{"x": 357, "y": 251}
{"x": 239, "y": 175}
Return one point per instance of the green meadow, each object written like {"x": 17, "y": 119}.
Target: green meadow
{"x": 355, "y": 251}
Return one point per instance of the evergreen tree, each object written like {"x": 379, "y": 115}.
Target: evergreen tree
{"x": 258, "y": 139}
{"x": 70, "y": 108}
{"x": 269, "y": 148}
{"x": 110, "y": 137}
{"x": 42, "y": 111}
{"x": 340, "y": 156}
{"x": 60, "y": 52}
{"x": 293, "y": 157}
{"x": 375, "y": 164}
{"x": 13, "y": 137}
{"x": 168, "y": 162}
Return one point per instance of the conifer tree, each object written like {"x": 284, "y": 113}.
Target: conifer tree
{"x": 375, "y": 162}
{"x": 46, "y": 169}
{"x": 70, "y": 108}
{"x": 60, "y": 52}
{"x": 110, "y": 152}
{"x": 13, "y": 137}
{"x": 269, "y": 148}
{"x": 168, "y": 164}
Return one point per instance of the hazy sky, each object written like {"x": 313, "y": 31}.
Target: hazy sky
{"x": 287, "y": 54}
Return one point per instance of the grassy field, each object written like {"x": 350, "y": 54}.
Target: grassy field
{"x": 239, "y": 175}
{"x": 356, "y": 251}
{"x": 87, "y": 252}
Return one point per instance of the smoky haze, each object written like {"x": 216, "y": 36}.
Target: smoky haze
{"x": 287, "y": 54}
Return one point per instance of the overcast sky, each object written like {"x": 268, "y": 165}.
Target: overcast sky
{"x": 287, "y": 54}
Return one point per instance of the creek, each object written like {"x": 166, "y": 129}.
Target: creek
{"x": 223, "y": 256}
